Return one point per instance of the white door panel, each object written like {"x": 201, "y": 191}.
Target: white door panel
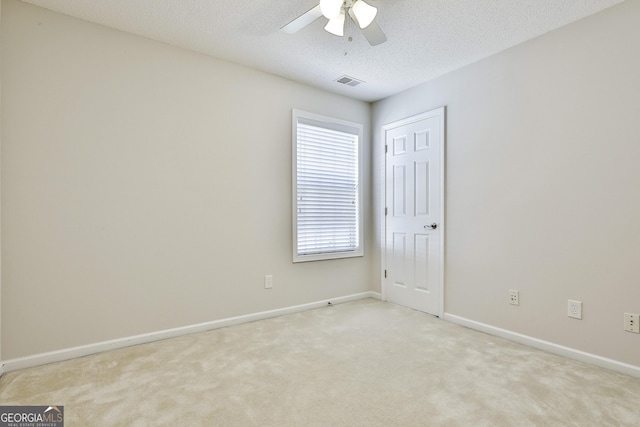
{"x": 414, "y": 197}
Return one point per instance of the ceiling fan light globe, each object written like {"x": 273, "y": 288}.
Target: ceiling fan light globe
{"x": 365, "y": 13}
{"x": 336, "y": 25}
{"x": 331, "y": 8}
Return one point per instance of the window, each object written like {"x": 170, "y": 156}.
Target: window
{"x": 327, "y": 198}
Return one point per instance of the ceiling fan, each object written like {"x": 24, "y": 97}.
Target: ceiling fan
{"x": 336, "y": 11}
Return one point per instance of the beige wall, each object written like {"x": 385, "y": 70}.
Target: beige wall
{"x": 145, "y": 187}
{"x": 543, "y": 183}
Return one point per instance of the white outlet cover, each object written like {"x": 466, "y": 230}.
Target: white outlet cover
{"x": 514, "y": 297}
{"x": 574, "y": 309}
{"x": 632, "y": 323}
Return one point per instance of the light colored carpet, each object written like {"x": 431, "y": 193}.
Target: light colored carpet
{"x": 365, "y": 363}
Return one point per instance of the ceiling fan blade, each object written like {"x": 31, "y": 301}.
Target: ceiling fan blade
{"x": 374, "y": 35}
{"x": 302, "y": 21}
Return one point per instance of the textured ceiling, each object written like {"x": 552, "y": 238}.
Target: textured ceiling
{"x": 426, "y": 38}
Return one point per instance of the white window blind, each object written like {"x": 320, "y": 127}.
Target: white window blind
{"x": 327, "y": 190}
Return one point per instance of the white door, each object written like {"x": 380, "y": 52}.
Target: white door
{"x": 413, "y": 253}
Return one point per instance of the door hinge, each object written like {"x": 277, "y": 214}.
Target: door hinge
{"x": 386, "y": 148}
{"x": 386, "y": 211}
{"x": 385, "y": 274}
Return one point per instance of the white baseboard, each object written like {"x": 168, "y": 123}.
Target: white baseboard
{"x": 547, "y": 346}
{"x": 85, "y": 350}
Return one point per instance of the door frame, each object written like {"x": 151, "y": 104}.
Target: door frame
{"x": 441, "y": 111}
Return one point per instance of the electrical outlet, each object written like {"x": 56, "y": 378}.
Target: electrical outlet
{"x": 268, "y": 281}
{"x": 574, "y": 309}
{"x": 632, "y": 323}
{"x": 514, "y": 297}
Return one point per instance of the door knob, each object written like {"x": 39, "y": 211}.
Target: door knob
{"x": 432, "y": 226}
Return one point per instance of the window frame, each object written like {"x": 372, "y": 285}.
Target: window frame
{"x": 333, "y": 124}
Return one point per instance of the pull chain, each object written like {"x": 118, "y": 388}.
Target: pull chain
{"x": 349, "y": 29}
